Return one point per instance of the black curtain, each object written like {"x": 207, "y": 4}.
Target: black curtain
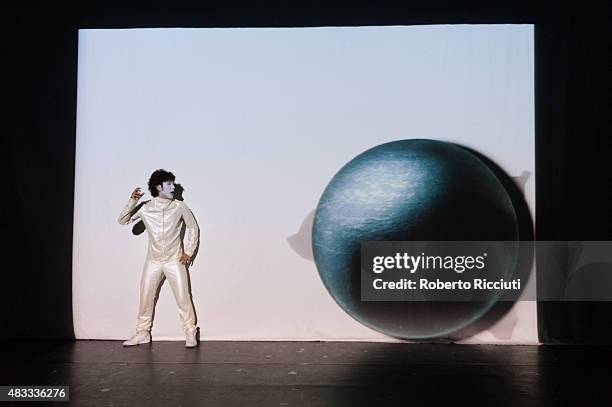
{"x": 573, "y": 177}
{"x": 573, "y": 156}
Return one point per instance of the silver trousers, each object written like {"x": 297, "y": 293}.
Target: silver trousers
{"x": 152, "y": 276}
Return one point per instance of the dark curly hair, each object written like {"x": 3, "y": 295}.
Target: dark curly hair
{"x": 158, "y": 178}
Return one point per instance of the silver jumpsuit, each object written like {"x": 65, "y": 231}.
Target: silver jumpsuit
{"x": 163, "y": 219}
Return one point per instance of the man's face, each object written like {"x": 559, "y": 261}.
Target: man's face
{"x": 166, "y": 190}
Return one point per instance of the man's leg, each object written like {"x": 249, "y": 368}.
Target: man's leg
{"x": 152, "y": 275}
{"x": 176, "y": 274}
{"x": 149, "y": 282}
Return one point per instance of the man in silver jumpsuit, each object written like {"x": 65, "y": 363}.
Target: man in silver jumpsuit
{"x": 163, "y": 217}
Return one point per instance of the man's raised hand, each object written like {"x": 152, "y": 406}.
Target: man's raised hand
{"x": 137, "y": 193}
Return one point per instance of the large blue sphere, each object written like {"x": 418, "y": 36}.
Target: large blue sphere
{"x": 419, "y": 190}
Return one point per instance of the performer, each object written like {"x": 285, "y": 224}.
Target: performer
{"x": 163, "y": 217}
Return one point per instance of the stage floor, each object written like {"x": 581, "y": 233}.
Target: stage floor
{"x": 103, "y": 373}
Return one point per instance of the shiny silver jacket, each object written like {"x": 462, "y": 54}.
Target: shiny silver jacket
{"x": 163, "y": 219}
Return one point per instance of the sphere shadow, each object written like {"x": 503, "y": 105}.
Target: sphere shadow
{"x": 433, "y": 374}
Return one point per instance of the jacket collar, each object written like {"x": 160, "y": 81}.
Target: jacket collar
{"x": 162, "y": 201}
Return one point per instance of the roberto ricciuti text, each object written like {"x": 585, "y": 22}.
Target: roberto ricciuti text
{"x": 437, "y": 284}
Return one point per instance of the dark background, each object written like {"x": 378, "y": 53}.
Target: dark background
{"x": 39, "y": 59}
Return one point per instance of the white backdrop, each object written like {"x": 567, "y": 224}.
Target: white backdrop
{"x": 254, "y": 123}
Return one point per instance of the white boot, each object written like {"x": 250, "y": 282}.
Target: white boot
{"x": 191, "y": 338}
{"x": 140, "y": 337}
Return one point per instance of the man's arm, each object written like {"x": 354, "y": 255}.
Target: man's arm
{"x": 192, "y": 231}
{"x": 130, "y": 212}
